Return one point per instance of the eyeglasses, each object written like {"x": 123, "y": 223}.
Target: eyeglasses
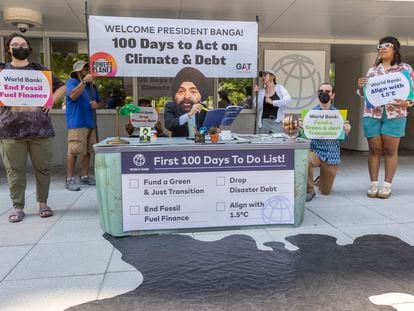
{"x": 324, "y": 91}
{"x": 385, "y": 45}
{"x": 16, "y": 46}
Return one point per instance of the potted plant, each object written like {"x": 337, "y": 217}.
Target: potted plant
{"x": 214, "y": 134}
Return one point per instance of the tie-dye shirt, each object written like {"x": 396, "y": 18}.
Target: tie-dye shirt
{"x": 391, "y": 110}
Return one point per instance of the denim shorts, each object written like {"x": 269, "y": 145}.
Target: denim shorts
{"x": 384, "y": 126}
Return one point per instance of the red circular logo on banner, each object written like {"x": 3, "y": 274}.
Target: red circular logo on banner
{"x": 103, "y": 65}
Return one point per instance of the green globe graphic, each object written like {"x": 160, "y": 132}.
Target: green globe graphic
{"x": 298, "y": 72}
{"x": 277, "y": 210}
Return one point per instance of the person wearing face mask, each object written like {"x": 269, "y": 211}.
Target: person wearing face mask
{"x": 186, "y": 113}
{"x": 27, "y": 130}
{"x": 271, "y": 102}
{"x": 324, "y": 153}
{"x": 384, "y": 125}
{"x": 82, "y": 100}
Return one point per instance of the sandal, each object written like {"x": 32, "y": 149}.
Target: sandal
{"x": 45, "y": 211}
{"x": 17, "y": 215}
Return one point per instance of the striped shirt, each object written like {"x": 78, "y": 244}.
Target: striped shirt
{"x": 328, "y": 150}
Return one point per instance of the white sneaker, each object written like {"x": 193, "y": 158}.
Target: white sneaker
{"x": 385, "y": 191}
{"x": 373, "y": 189}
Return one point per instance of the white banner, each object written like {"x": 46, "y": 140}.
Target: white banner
{"x": 149, "y": 47}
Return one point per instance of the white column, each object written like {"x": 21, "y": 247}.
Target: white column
{"x": 347, "y": 73}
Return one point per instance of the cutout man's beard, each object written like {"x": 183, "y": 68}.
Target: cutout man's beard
{"x": 186, "y": 104}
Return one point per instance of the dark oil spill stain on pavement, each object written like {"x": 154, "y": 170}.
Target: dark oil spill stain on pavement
{"x": 181, "y": 273}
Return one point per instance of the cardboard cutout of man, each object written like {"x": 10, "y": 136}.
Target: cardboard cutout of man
{"x": 188, "y": 91}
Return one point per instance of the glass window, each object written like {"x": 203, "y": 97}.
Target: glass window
{"x": 236, "y": 90}
{"x": 65, "y": 52}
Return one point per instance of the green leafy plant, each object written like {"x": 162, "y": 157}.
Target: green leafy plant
{"x": 235, "y": 87}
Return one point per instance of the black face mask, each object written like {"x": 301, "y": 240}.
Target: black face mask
{"x": 21, "y": 53}
{"x": 324, "y": 97}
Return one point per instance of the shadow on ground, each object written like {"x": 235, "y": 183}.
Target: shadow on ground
{"x": 181, "y": 273}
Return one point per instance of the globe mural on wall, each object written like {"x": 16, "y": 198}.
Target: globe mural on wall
{"x": 300, "y": 72}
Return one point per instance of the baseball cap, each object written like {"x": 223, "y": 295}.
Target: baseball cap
{"x": 267, "y": 71}
{"x": 78, "y": 66}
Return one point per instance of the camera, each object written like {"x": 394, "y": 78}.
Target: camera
{"x": 23, "y": 27}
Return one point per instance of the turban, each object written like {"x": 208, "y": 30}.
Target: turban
{"x": 189, "y": 74}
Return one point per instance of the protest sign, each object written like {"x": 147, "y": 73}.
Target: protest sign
{"x": 26, "y": 88}
{"x": 147, "y": 117}
{"x": 383, "y": 89}
{"x": 324, "y": 124}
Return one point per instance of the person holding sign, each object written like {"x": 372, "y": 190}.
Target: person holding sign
{"x": 26, "y": 128}
{"x": 271, "y": 102}
{"x": 384, "y": 123}
{"x": 82, "y": 99}
{"x": 324, "y": 153}
{"x": 144, "y": 102}
{"x": 186, "y": 114}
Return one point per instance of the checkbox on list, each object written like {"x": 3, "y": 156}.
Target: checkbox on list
{"x": 220, "y": 206}
{"x": 134, "y": 210}
{"x": 220, "y": 181}
{"x": 133, "y": 183}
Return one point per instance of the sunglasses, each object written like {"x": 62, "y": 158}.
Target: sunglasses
{"x": 385, "y": 45}
{"x": 263, "y": 73}
{"x": 324, "y": 91}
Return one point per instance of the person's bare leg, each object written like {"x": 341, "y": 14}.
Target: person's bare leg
{"x": 70, "y": 165}
{"x": 85, "y": 164}
{"x": 390, "y": 151}
{"x": 374, "y": 157}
